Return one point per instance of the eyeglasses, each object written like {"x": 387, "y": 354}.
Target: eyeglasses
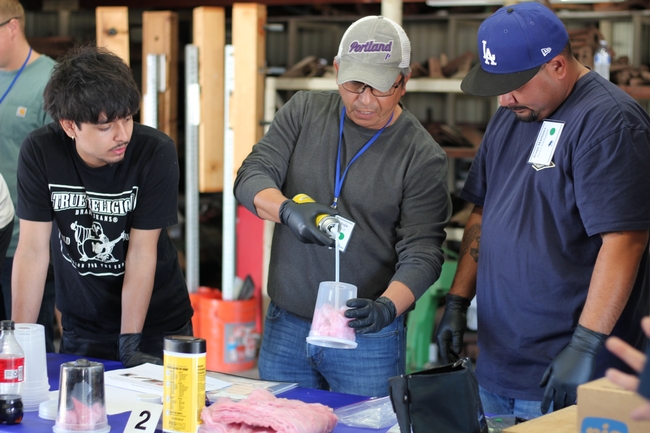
{"x": 9, "y": 20}
{"x": 358, "y": 87}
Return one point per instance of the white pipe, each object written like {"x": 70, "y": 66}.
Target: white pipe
{"x": 392, "y": 9}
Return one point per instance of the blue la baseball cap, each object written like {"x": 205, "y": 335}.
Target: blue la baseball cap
{"x": 513, "y": 44}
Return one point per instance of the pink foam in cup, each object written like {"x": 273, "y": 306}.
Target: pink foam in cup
{"x": 329, "y": 327}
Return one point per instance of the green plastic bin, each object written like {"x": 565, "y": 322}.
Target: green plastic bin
{"x": 420, "y": 322}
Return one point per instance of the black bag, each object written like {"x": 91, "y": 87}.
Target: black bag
{"x": 439, "y": 400}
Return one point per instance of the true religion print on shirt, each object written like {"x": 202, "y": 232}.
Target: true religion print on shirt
{"x": 93, "y": 239}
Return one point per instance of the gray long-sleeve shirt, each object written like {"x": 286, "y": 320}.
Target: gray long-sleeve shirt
{"x": 395, "y": 192}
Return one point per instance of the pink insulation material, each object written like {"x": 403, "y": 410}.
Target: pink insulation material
{"x": 82, "y": 417}
{"x": 262, "y": 412}
{"x": 331, "y": 322}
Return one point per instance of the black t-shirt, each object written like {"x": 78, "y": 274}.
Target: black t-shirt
{"x": 93, "y": 211}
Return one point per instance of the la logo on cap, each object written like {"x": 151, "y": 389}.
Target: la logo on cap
{"x": 490, "y": 59}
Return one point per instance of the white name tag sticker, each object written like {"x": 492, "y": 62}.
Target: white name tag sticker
{"x": 345, "y": 226}
{"x": 144, "y": 418}
{"x": 547, "y": 139}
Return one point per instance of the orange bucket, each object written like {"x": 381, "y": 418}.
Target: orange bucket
{"x": 195, "y": 300}
{"x": 229, "y": 330}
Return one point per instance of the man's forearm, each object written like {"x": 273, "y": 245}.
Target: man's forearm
{"x": 613, "y": 278}
{"x": 139, "y": 275}
{"x": 464, "y": 283}
{"x": 136, "y": 297}
{"x": 29, "y": 272}
{"x": 27, "y": 285}
{"x": 401, "y": 296}
{"x": 267, "y": 203}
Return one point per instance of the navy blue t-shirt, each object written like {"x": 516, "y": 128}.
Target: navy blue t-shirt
{"x": 541, "y": 230}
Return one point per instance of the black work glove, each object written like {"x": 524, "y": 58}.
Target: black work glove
{"x": 128, "y": 348}
{"x": 301, "y": 219}
{"x": 573, "y": 366}
{"x": 370, "y": 316}
{"x": 452, "y": 328}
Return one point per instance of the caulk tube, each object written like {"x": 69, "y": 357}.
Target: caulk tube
{"x": 184, "y": 383}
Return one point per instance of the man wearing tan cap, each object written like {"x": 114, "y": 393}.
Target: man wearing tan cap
{"x": 360, "y": 155}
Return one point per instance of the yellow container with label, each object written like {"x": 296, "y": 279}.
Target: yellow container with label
{"x": 184, "y": 383}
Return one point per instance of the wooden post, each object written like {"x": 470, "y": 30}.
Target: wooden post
{"x": 246, "y": 114}
{"x": 248, "y": 37}
{"x": 209, "y": 35}
{"x": 160, "y": 36}
{"x": 112, "y": 30}
{"x": 392, "y": 9}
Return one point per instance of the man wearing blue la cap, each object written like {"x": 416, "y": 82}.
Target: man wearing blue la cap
{"x": 561, "y": 194}
{"x": 358, "y": 153}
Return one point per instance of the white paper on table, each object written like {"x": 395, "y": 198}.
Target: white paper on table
{"x": 116, "y": 400}
{"x": 123, "y": 386}
{"x": 148, "y": 378}
{"x": 119, "y": 400}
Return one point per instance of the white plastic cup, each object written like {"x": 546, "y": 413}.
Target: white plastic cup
{"x": 35, "y": 387}
{"x": 47, "y": 409}
{"x": 31, "y": 337}
{"x": 329, "y": 326}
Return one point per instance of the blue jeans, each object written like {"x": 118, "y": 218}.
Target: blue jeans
{"x": 494, "y": 404}
{"x": 286, "y": 356}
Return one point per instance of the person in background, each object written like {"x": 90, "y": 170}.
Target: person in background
{"x": 103, "y": 190}
{"x": 639, "y": 363}
{"x": 6, "y": 218}
{"x": 556, "y": 247}
{"x": 23, "y": 76}
{"x": 363, "y": 151}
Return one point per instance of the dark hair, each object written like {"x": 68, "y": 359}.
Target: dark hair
{"x": 567, "y": 51}
{"x": 91, "y": 85}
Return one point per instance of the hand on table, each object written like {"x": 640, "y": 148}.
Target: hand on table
{"x": 130, "y": 354}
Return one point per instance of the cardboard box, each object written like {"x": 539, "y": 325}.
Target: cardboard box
{"x": 604, "y": 407}
{"x": 562, "y": 421}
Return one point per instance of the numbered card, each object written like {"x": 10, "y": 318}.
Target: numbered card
{"x": 144, "y": 418}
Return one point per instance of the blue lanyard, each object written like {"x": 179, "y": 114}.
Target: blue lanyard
{"x": 20, "y": 71}
{"x": 338, "y": 182}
